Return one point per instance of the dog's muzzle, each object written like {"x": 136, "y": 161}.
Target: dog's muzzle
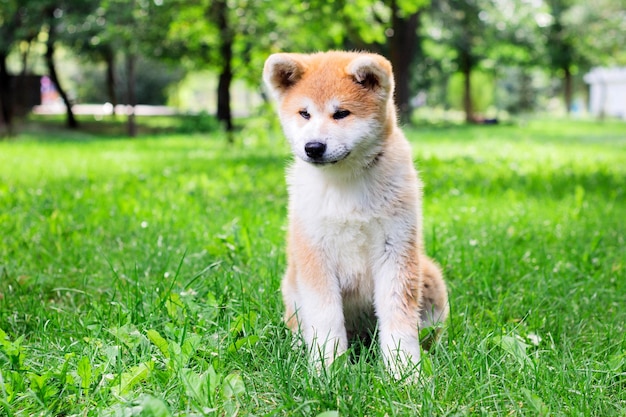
{"x": 319, "y": 153}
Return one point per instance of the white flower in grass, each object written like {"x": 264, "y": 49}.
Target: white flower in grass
{"x": 534, "y": 338}
{"x": 190, "y": 292}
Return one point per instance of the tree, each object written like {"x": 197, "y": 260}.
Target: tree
{"x": 134, "y": 28}
{"x": 205, "y": 36}
{"x": 403, "y": 49}
{"x": 224, "y": 36}
{"x": 596, "y": 35}
{"x": 516, "y": 45}
{"x": 16, "y": 23}
{"x": 219, "y": 11}
{"x": 25, "y": 22}
{"x": 583, "y": 34}
{"x": 562, "y": 53}
{"x": 461, "y": 27}
{"x": 86, "y": 35}
{"x": 486, "y": 35}
{"x": 52, "y": 11}
{"x": 9, "y": 23}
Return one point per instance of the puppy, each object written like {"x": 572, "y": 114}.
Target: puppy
{"x": 354, "y": 246}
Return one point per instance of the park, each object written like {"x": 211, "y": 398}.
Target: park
{"x": 141, "y": 255}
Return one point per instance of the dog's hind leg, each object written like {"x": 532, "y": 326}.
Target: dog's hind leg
{"x": 434, "y": 307}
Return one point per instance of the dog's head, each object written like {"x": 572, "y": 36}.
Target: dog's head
{"x": 333, "y": 106}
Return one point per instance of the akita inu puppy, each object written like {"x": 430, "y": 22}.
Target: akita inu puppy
{"x": 355, "y": 247}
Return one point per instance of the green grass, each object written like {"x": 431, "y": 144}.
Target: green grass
{"x": 141, "y": 277}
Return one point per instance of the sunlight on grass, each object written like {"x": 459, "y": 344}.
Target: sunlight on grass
{"x": 142, "y": 276}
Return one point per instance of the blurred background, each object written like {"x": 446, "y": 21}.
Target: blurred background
{"x": 467, "y": 61}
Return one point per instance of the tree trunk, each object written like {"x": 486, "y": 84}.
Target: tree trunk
{"x": 403, "y": 48}
{"x": 22, "y": 102}
{"x": 465, "y": 65}
{"x": 6, "y": 98}
{"x": 223, "y": 98}
{"x": 526, "y": 94}
{"x": 224, "y": 113}
{"x": 132, "y": 98}
{"x": 8, "y": 31}
{"x": 52, "y": 72}
{"x": 467, "y": 96}
{"x": 568, "y": 89}
{"x": 109, "y": 57}
{"x": 24, "y": 52}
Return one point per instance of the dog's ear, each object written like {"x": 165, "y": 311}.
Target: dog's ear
{"x": 282, "y": 71}
{"x": 373, "y": 72}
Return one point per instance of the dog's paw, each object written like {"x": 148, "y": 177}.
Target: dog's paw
{"x": 402, "y": 366}
{"x": 401, "y": 357}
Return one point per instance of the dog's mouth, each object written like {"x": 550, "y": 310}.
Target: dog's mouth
{"x": 327, "y": 161}
{"x": 317, "y": 153}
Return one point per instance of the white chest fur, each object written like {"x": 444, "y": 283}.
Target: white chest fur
{"x": 351, "y": 220}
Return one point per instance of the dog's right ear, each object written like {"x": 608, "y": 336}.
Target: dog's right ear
{"x": 282, "y": 71}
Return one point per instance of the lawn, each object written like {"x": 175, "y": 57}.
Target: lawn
{"x": 141, "y": 277}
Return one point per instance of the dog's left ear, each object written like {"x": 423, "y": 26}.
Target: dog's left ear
{"x": 282, "y": 71}
{"x": 372, "y": 72}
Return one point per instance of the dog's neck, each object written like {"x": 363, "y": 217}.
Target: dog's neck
{"x": 376, "y": 159}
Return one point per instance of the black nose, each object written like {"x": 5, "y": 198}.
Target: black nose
{"x": 315, "y": 150}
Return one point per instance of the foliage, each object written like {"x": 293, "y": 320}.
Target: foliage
{"x": 514, "y": 32}
{"x": 599, "y": 31}
{"x": 141, "y": 277}
{"x": 152, "y": 87}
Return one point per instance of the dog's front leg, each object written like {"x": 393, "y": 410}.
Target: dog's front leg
{"x": 397, "y": 295}
{"x": 313, "y": 294}
{"x": 322, "y": 319}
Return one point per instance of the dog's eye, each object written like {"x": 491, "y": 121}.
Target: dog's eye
{"x": 341, "y": 114}
{"x": 305, "y": 114}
